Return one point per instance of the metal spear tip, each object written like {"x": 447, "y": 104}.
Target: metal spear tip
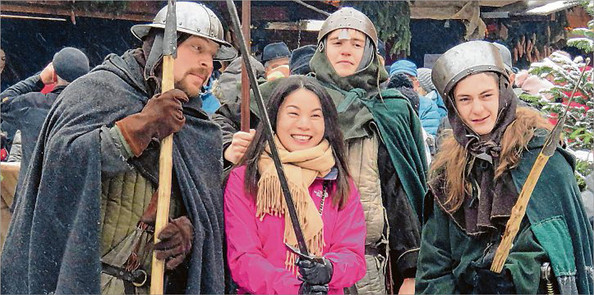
{"x": 553, "y": 140}
{"x": 170, "y": 34}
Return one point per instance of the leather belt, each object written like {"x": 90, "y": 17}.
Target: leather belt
{"x": 138, "y": 278}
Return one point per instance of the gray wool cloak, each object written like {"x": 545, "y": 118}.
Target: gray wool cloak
{"x": 53, "y": 243}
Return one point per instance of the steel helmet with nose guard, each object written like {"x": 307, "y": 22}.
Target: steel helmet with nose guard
{"x": 194, "y": 19}
{"x": 348, "y": 18}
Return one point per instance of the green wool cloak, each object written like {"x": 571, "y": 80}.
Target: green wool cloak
{"x": 558, "y": 219}
{"x": 555, "y": 228}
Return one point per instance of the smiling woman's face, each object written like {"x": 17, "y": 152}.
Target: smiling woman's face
{"x": 345, "y": 54}
{"x": 300, "y": 121}
{"x": 477, "y": 101}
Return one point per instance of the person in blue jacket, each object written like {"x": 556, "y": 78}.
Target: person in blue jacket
{"x": 428, "y": 110}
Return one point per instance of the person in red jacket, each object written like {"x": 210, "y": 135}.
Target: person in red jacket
{"x": 327, "y": 202}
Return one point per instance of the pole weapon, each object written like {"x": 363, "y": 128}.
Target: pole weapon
{"x": 246, "y": 19}
{"x": 268, "y": 130}
{"x": 519, "y": 210}
{"x": 165, "y": 157}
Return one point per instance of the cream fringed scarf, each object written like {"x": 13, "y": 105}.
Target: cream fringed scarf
{"x": 301, "y": 169}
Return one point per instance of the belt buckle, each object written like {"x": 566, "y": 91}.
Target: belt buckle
{"x": 139, "y": 277}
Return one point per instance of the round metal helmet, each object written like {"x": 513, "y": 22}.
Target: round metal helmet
{"x": 194, "y": 19}
{"x": 463, "y": 60}
{"x": 348, "y": 18}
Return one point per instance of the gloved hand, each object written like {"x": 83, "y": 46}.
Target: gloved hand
{"x": 315, "y": 272}
{"x": 176, "y": 242}
{"x": 161, "y": 116}
{"x": 313, "y": 289}
{"x": 488, "y": 282}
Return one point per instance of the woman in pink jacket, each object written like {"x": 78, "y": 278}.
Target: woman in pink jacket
{"x": 327, "y": 203}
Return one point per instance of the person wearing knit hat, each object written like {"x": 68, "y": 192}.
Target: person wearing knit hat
{"x": 404, "y": 66}
{"x": 424, "y": 77}
{"x": 409, "y": 68}
{"x": 25, "y": 107}
{"x": 428, "y": 110}
{"x": 275, "y": 58}
{"x": 300, "y": 57}
{"x": 428, "y": 90}
{"x": 70, "y": 63}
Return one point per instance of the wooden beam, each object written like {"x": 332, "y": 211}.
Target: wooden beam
{"x": 285, "y": 26}
{"x": 135, "y": 12}
{"x": 498, "y": 3}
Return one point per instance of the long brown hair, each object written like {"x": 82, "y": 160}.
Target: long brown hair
{"x": 340, "y": 193}
{"x": 451, "y": 161}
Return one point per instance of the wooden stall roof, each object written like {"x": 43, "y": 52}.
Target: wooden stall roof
{"x": 124, "y": 10}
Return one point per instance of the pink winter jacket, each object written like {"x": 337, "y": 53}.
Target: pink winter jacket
{"x": 256, "y": 253}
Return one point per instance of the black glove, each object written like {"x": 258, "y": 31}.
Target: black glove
{"x": 161, "y": 116}
{"x": 313, "y": 289}
{"x": 315, "y": 272}
{"x": 488, "y": 282}
{"x": 176, "y": 242}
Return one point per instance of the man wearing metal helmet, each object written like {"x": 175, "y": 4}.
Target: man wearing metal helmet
{"x": 384, "y": 144}
{"x": 475, "y": 182}
{"x": 85, "y": 216}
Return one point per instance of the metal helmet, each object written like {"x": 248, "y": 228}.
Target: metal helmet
{"x": 194, "y": 19}
{"x": 349, "y": 18}
{"x": 463, "y": 60}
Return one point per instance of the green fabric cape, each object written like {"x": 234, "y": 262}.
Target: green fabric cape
{"x": 555, "y": 224}
{"x": 400, "y": 131}
{"x": 558, "y": 219}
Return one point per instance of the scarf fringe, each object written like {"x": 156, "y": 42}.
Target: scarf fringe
{"x": 270, "y": 201}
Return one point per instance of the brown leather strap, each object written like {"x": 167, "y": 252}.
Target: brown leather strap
{"x": 150, "y": 213}
{"x": 137, "y": 278}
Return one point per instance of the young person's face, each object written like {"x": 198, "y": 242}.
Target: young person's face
{"x": 279, "y": 65}
{"x": 194, "y": 64}
{"x": 345, "y": 54}
{"x": 300, "y": 120}
{"x": 477, "y": 101}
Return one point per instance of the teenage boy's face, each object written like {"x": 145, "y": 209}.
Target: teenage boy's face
{"x": 345, "y": 50}
{"x": 477, "y": 101}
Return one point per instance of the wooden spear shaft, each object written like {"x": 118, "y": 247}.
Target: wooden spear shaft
{"x": 165, "y": 157}
{"x": 519, "y": 210}
{"x": 165, "y": 167}
{"x": 517, "y": 214}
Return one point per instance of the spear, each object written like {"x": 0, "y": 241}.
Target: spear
{"x": 267, "y": 130}
{"x": 165, "y": 157}
{"x": 245, "y": 82}
{"x": 519, "y": 209}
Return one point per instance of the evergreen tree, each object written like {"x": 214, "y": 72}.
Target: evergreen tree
{"x": 565, "y": 72}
